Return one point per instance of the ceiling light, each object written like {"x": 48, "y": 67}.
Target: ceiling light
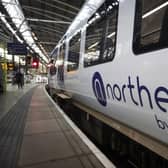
{"x": 154, "y": 10}
{"x": 14, "y": 10}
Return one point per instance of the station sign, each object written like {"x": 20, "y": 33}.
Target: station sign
{"x": 16, "y": 49}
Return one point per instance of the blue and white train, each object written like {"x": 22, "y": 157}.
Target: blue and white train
{"x": 114, "y": 59}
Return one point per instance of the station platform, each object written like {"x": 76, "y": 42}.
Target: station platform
{"x": 35, "y": 133}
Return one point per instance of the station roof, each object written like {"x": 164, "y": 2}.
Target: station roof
{"x": 48, "y": 19}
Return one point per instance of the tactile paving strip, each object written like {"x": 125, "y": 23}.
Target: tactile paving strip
{"x": 11, "y": 131}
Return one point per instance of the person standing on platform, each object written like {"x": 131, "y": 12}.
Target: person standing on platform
{"x": 19, "y": 79}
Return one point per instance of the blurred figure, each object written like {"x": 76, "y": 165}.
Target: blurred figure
{"x": 19, "y": 79}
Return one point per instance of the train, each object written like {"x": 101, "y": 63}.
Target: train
{"x": 112, "y": 59}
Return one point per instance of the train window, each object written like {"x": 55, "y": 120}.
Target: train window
{"x": 151, "y": 26}
{"x": 74, "y": 51}
{"x": 101, "y": 35}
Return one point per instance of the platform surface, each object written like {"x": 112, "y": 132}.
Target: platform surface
{"x": 9, "y": 98}
{"x": 49, "y": 141}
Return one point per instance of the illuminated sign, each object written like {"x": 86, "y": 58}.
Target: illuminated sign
{"x": 16, "y": 49}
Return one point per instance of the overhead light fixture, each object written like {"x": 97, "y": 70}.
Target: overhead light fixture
{"x": 14, "y": 10}
{"x": 96, "y": 43}
{"x": 154, "y": 10}
{"x": 10, "y": 28}
{"x": 93, "y": 45}
{"x": 87, "y": 10}
{"x": 111, "y": 35}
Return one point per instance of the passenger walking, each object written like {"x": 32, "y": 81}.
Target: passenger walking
{"x": 19, "y": 79}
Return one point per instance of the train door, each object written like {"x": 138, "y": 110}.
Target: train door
{"x": 73, "y": 55}
{"x": 60, "y": 64}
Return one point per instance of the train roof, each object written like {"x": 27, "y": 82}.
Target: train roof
{"x": 87, "y": 10}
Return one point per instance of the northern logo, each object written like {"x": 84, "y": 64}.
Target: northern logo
{"x": 98, "y": 88}
{"x": 135, "y": 93}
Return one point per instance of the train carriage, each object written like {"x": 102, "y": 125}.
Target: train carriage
{"x": 113, "y": 60}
